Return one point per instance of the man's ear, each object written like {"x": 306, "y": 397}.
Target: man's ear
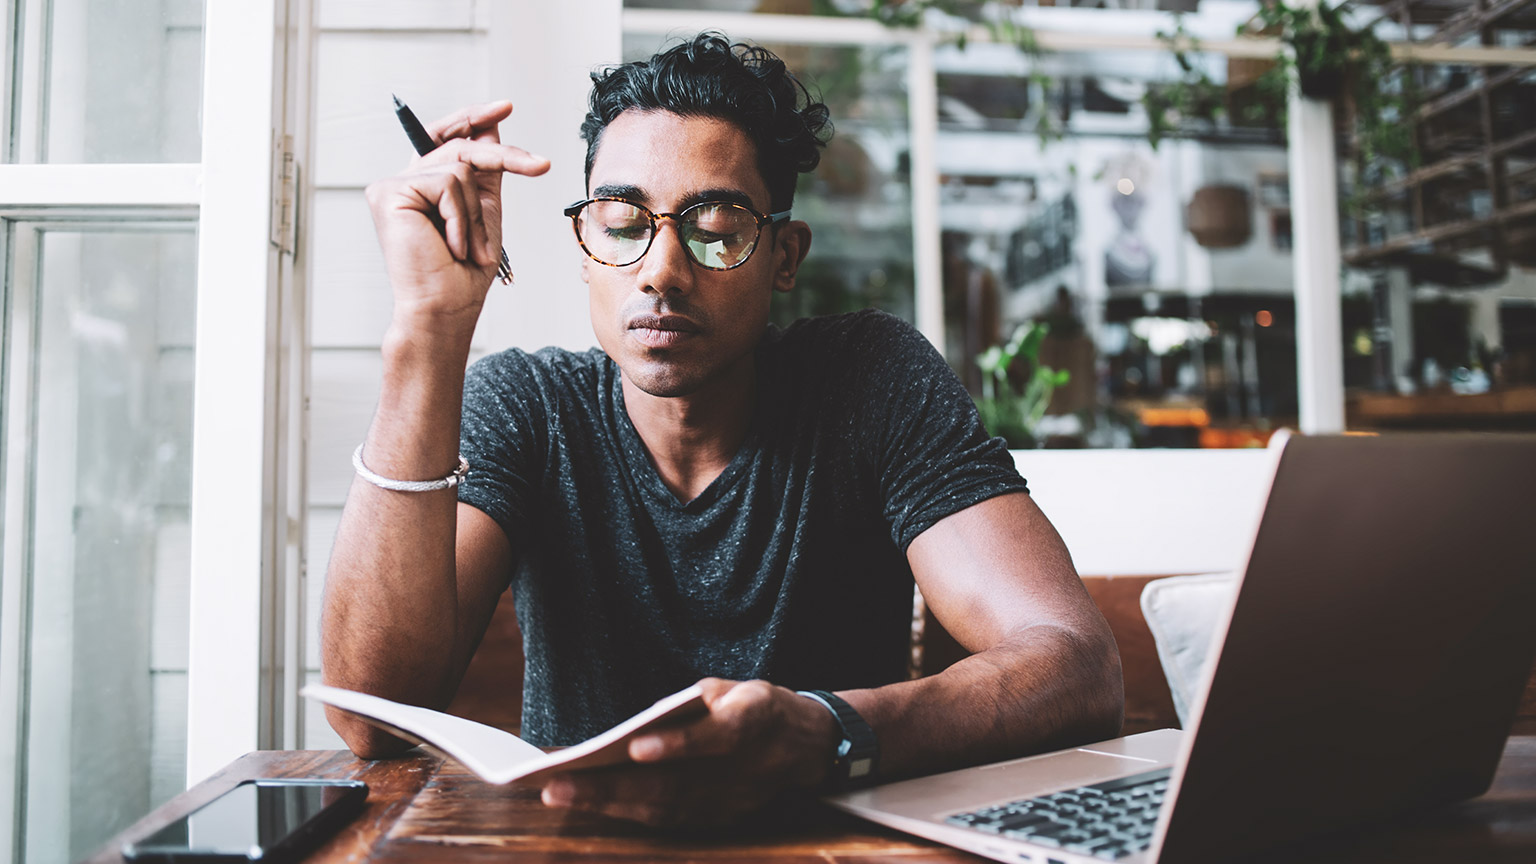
{"x": 792, "y": 244}
{"x": 585, "y": 263}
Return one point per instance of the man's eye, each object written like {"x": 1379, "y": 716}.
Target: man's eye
{"x": 701, "y": 235}
{"x": 627, "y": 232}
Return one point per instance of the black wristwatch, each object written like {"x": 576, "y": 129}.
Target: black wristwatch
{"x": 858, "y": 753}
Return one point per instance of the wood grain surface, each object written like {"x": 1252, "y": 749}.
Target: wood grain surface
{"x": 392, "y": 786}
{"x": 482, "y": 822}
{"x": 423, "y": 808}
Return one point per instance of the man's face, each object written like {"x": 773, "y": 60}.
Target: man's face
{"x": 673, "y": 326}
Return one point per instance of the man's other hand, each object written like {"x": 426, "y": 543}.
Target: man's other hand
{"x": 758, "y": 743}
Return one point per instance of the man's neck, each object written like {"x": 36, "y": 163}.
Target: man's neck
{"x": 691, "y": 439}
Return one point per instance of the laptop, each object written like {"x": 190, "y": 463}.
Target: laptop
{"x": 1371, "y": 664}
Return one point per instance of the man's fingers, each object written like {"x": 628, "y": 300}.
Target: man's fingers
{"x": 487, "y": 156}
{"x": 704, "y": 737}
{"x": 479, "y": 247}
{"x": 736, "y": 712}
{"x": 468, "y": 122}
{"x": 458, "y": 228}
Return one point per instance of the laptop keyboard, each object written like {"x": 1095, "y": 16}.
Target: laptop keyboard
{"x": 1107, "y": 820}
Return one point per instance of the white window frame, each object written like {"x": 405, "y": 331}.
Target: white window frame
{"x": 245, "y": 656}
{"x": 250, "y": 382}
{"x": 53, "y": 194}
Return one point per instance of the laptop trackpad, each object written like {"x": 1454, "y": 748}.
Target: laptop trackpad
{"x": 1004, "y": 781}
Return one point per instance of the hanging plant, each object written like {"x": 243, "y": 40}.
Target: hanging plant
{"x": 1328, "y": 58}
{"x": 891, "y": 13}
{"x": 1191, "y": 95}
{"x": 1352, "y": 68}
{"x": 1001, "y": 29}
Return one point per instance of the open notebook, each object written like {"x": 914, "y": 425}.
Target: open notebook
{"x": 501, "y": 757}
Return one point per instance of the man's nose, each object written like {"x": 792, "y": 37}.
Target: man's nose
{"x": 666, "y": 265}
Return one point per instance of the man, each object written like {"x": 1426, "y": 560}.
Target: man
{"x": 706, "y": 497}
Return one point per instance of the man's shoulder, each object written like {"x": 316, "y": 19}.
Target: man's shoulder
{"x": 550, "y": 363}
{"x": 556, "y": 377}
{"x": 868, "y": 335}
{"x": 832, "y": 328}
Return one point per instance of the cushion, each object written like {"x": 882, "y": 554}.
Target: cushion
{"x": 1183, "y": 612}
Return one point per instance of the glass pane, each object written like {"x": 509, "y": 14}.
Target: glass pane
{"x": 858, "y": 201}
{"x": 796, "y": 6}
{"x": 1159, "y": 274}
{"x": 110, "y": 450}
{"x": 112, "y": 81}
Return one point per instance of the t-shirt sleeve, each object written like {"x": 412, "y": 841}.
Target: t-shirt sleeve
{"x": 502, "y": 435}
{"x": 931, "y": 454}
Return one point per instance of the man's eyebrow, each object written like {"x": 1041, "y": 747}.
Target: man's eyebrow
{"x": 639, "y": 196}
{"x": 734, "y": 196}
{"x": 621, "y": 190}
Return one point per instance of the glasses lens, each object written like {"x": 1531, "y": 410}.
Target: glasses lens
{"x": 719, "y": 235}
{"x": 614, "y": 232}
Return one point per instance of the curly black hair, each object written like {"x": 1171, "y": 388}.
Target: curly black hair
{"x": 707, "y": 76}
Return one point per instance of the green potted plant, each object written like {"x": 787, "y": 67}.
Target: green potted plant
{"x": 1009, "y": 411}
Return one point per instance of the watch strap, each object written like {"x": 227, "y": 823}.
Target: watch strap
{"x": 858, "y": 753}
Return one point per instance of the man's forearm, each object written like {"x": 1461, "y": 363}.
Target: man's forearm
{"x": 1045, "y": 687}
{"x": 390, "y": 622}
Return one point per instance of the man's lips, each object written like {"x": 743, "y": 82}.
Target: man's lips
{"x": 661, "y": 331}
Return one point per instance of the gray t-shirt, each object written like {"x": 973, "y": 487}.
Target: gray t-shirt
{"x": 789, "y": 567}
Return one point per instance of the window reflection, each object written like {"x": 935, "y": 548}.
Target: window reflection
{"x": 1164, "y": 273}
{"x": 107, "y": 564}
{"x": 1148, "y": 266}
{"x": 106, "y": 81}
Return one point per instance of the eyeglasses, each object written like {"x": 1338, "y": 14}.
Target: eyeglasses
{"x": 719, "y": 235}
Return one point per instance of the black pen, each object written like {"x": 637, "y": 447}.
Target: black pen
{"x": 424, "y": 145}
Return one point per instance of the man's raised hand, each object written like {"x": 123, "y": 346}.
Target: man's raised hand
{"x": 439, "y": 221}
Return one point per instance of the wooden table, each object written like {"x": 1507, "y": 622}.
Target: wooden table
{"x": 423, "y": 808}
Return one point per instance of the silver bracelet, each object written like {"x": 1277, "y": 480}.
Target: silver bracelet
{"x": 448, "y": 482}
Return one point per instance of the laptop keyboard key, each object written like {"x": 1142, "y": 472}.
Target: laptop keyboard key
{"x": 1107, "y": 820}
{"x": 1022, "y": 821}
{"x": 1091, "y": 844}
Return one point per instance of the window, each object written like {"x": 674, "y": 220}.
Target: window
{"x": 100, "y": 305}
{"x": 144, "y": 256}
{"x": 100, "y": 422}
{"x": 1190, "y": 309}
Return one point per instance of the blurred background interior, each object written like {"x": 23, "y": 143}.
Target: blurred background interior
{"x": 1164, "y": 272}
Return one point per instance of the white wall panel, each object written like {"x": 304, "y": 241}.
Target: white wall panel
{"x": 396, "y": 14}
{"x": 320, "y": 535}
{"x": 358, "y": 138}
{"x": 1151, "y": 512}
{"x": 351, "y": 302}
{"x": 349, "y": 291}
{"x": 543, "y": 64}
{"x": 344, "y": 389}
